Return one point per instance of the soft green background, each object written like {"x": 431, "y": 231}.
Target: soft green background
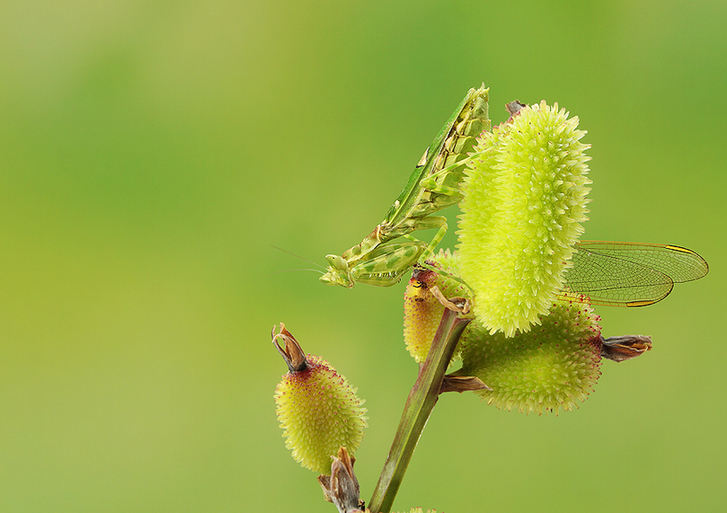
{"x": 151, "y": 155}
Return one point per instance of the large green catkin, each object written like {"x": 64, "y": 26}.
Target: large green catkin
{"x": 524, "y": 200}
{"x": 553, "y": 366}
{"x": 319, "y": 413}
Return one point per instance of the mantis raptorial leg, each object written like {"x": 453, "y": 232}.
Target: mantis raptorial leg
{"x": 391, "y": 260}
{"x": 385, "y": 265}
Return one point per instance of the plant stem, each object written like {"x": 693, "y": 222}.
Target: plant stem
{"x": 419, "y": 406}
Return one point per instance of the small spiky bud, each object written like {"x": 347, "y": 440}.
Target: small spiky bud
{"x": 524, "y": 200}
{"x": 554, "y": 366}
{"x": 317, "y": 407}
{"x": 422, "y": 310}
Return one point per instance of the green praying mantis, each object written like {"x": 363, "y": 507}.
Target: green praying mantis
{"x": 390, "y": 250}
{"x": 607, "y": 273}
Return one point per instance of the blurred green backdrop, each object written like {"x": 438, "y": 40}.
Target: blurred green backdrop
{"x": 152, "y": 153}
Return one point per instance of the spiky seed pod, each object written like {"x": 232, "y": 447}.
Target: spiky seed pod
{"x": 423, "y": 311}
{"x": 524, "y": 200}
{"x": 317, "y": 407}
{"x": 554, "y": 366}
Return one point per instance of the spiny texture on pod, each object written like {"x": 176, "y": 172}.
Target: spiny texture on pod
{"x": 317, "y": 407}
{"x": 524, "y": 200}
{"x": 422, "y": 310}
{"x": 554, "y": 366}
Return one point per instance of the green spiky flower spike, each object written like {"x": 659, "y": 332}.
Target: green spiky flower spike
{"x": 524, "y": 202}
{"x": 317, "y": 408}
{"x": 554, "y": 366}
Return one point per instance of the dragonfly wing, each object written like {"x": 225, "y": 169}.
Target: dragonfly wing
{"x": 630, "y": 274}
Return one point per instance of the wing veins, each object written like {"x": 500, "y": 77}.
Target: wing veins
{"x": 611, "y": 278}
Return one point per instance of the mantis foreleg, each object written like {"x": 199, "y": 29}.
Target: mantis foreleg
{"x": 388, "y": 262}
{"x": 424, "y": 223}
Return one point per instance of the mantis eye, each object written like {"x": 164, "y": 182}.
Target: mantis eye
{"x": 337, "y": 262}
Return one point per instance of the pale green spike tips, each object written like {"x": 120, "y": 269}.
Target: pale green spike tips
{"x": 554, "y": 366}
{"x": 524, "y": 202}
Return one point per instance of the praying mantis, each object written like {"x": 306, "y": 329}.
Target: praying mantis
{"x": 390, "y": 250}
{"x": 607, "y": 273}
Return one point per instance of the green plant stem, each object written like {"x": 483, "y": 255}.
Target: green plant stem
{"x": 419, "y": 406}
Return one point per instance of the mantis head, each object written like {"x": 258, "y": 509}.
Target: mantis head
{"x": 338, "y": 272}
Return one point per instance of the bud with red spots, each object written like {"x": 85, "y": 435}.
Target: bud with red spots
{"x": 317, "y": 408}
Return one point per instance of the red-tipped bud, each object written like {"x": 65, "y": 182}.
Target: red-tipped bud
{"x": 317, "y": 407}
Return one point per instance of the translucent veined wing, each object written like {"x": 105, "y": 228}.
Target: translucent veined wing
{"x": 629, "y": 273}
